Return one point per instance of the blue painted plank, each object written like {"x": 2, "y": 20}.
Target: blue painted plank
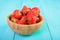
{"x": 51, "y": 9}
{"x": 7, "y": 7}
{"x": 41, "y": 34}
{"x": 5, "y": 32}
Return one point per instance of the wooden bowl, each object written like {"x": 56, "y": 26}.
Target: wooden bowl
{"x": 24, "y": 29}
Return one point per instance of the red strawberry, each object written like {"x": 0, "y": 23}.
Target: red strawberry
{"x": 37, "y": 20}
{"x": 17, "y": 14}
{"x": 31, "y": 18}
{"x": 13, "y": 18}
{"x": 22, "y": 21}
{"x": 31, "y": 13}
{"x": 25, "y": 10}
{"x": 36, "y": 10}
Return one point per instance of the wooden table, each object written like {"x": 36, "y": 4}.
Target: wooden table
{"x": 50, "y": 9}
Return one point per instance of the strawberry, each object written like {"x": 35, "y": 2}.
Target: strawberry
{"x": 22, "y": 21}
{"x": 26, "y": 16}
{"x": 37, "y": 20}
{"x": 25, "y": 10}
{"x": 31, "y": 13}
{"x": 13, "y": 18}
{"x": 36, "y": 10}
{"x": 31, "y": 17}
{"x": 17, "y": 14}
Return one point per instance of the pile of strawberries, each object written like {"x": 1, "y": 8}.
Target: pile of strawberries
{"x": 26, "y": 15}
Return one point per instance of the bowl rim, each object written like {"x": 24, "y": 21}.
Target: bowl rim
{"x": 42, "y": 20}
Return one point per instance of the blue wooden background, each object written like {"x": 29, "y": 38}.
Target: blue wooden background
{"x": 50, "y": 9}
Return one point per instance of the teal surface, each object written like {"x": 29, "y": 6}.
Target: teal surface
{"x": 50, "y": 10}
